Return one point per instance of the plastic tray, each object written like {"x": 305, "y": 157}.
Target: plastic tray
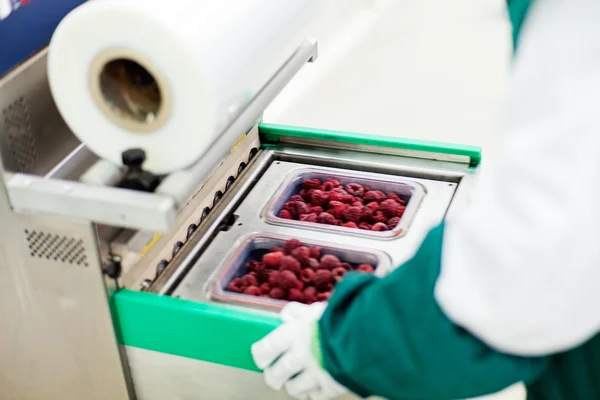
{"x": 254, "y": 246}
{"x": 409, "y": 191}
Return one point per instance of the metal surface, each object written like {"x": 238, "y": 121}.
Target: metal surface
{"x": 412, "y": 192}
{"x": 180, "y": 184}
{"x": 261, "y": 184}
{"x": 253, "y": 246}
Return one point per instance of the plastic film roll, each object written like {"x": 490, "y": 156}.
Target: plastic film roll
{"x": 167, "y": 77}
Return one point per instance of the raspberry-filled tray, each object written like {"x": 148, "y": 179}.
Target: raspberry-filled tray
{"x": 266, "y": 271}
{"x": 349, "y": 203}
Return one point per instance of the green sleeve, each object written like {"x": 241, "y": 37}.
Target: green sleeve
{"x": 388, "y": 337}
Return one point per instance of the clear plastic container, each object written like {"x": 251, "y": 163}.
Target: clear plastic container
{"x": 255, "y": 246}
{"x": 411, "y": 192}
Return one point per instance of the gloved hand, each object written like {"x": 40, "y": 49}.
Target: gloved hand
{"x": 286, "y": 355}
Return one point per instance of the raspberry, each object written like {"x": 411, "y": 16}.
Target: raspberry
{"x": 390, "y": 208}
{"x": 374, "y": 195}
{"x": 289, "y": 263}
{"x": 296, "y": 295}
{"x": 250, "y": 280}
{"x": 338, "y": 273}
{"x": 378, "y": 216}
{"x": 312, "y": 217}
{"x": 353, "y": 214}
{"x": 330, "y": 184}
{"x": 315, "y": 252}
{"x": 357, "y": 204}
{"x": 366, "y": 214}
{"x": 310, "y": 295}
{"x": 365, "y": 226}
{"x": 302, "y": 254}
{"x": 347, "y": 198}
{"x": 330, "y": 262}
{"x": 285, "y": 214}
{"x": 300, "y": 285}
{"x": 338, "y": 212}
{"x": 346, "y": 266}
{"x": 296, "y": 208}
{"x": 252, "y": 291}
{"x": 394, "y": 196}
{"x": 311, "y": 184}
{"x": 253, "y": 265}
{"x": 326, "y": 218}
{"x": 274, "y": 278}
{"x": 290, "y": 245}
{"x": 355, "y": 189}
{"x": 277, "y": 293}
{"x": 319, "y": 198}
{"x": 265, "y": 288}
{"x": 235, "y": 286}
{"x": 323, "y": 296}
{"x": 272, "y": 260}
{"x": 379, "y": 227}
{"x": 365, "y": 268}
{"x": 335, "y": 204}
{"x": 316, "y": 209}
{"x": 322, "y": 279}
{"x": 286, "y": 280}
{"x": 334, "y": 195}
{"x": 393, "y": 222}
{"x": 373, "y": 205}
{"x": 297, "y": 197}
{"x": 313, "y": 263}
{"x": 276, "y": 249}
{"x": 350, "y": 225}
{"x": 307, "y": 275}
{"x": 305, "y": 194}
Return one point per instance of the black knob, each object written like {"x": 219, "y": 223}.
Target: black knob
{"x": 133, "y": 158}
{"x": 113, "y": 269}
{"x": 136, "y": 178}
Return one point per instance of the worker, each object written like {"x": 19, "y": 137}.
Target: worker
{"x": 507, "y": 288}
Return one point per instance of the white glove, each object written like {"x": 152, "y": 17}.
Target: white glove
{"x": 285, "y": 356}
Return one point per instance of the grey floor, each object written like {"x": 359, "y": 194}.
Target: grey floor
{"x": 427, "y": 69}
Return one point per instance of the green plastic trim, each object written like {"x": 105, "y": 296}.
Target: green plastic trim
{"x": 517, "y": 10}
{"x": 271, "y": 133}
{"x": 202, "y": 331}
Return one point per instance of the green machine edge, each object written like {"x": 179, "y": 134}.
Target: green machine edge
{"x": 219, "y": 333}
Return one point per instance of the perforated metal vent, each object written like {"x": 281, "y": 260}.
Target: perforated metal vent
{"x": 56, "y": 247}
{"x": 20, "y": 135}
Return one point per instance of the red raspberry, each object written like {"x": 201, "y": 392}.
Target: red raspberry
{"x": 253, "y": 266}
{"x": 277, "y": 293}
{"x": 366, "y": 214}
{"x": 311, "y": 184}
{"x": 289, "y": 263}
{"x": 305, "y": 194}
{"x": 263, "y": 274}
{"x": 315, "y": 252}
{"x": 334, "y": 195}
{"x": 287, "y": 280}
{"x": 296, "y": 295}
{"x": 310, "y": 295}
{"x": 338, "y": 212}
{"x": 373, "y": 205}
{"x": 276, "y": 249}
{"x": 297, "y": 197}
{"x": 312, "y": 217}
{"x": 330, "y": 262}
{"x": 326, "y": 218}
{"x": 365, "y": 268}
{"x": 285, "y": 214}
{"x": 319, "y": 198}
{"x": 379, "y": 227}
{"x": 265, "y": 288}
{"x": 335, "y": 204}
{"x": 350, "y": 225}
{"x": 338, "y": 273}
{"x": 322, "y": 280}
{"x": 390, "y": 208}
{"x": 323, "y": 296}
{"x": 272, "y": 260}
{"x": 307, "y": 275}
{"x": 347, "y": 198}
{"x": 393, "y": 222}
{"x": 290, "y": 245}
{"x": 374, "y": 195}
{"x": 300, "y": 285}
{"x": 313, "y": 264}
{"x": 353, "y": 214}
{"x": 297, "y": 208}
{"x": 357, "y": 204}
{"x": 330, "y": 184}
{"x": 378, "y": 216}
{"x": 252, "y": 291}
{"x": 302, "y": 254}
{"x": 347, "y": 266}
{"x": 249, "y": 280}
{"x": 394, "y": 196}
{"x": 355, "y": 189}
{"x": 365, "y": 226}
{"x": 235, "y": 286}
{"x": 316, "y": 210}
